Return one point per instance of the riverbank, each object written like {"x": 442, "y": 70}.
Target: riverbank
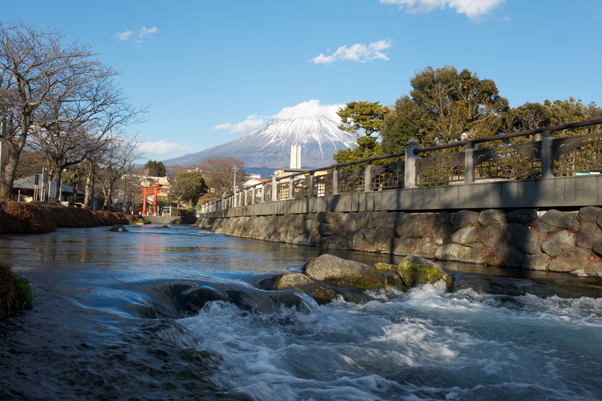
{"x": 36, "y": 218}
{"x": 528, "y": 239}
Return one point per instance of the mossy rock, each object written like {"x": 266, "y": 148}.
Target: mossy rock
{"x": 142, "y": 222}
{"x": 316, "y": 289}
{"x": 415, "y": 271}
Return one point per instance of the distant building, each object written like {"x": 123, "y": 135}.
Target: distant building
{"x": 25, "y": 187}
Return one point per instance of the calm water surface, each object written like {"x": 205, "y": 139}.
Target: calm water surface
{"x": 104, "y": 326}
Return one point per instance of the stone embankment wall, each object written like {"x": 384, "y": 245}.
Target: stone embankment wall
{"x": 525, "y": 238}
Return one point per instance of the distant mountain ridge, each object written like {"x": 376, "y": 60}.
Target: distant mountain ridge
{"x": 270, "y": 145}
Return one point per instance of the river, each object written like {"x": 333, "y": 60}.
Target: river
{"x": 106, "y": 324}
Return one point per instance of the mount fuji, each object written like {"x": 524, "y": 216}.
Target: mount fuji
{"x": 270, "y": 145}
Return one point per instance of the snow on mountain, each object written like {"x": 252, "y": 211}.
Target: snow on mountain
{"x": 270, "y": 145}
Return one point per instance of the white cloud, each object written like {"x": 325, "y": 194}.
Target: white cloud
{"x": 472, "y": 8}
{"x": 147, "y": 31}
{"x": 251, "y": 123}
{"x": 124, "y": 35}
{"x": 357, "y": 52}
{"x": 162, "y": 147}
{"x": 311, "y": 108}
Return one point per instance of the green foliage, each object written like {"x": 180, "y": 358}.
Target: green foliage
{"x": 188, "y": 187}
{"x": 400, "y": 126}
{"x": 362, "y": 115}
{"x": 155, "y": 169}
{"x": 15, "y": 292}
{"x": 23, "y": 296}
{"x": 366, "y": 148}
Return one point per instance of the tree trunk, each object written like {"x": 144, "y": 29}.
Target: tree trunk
{"x": 88, "y": 189}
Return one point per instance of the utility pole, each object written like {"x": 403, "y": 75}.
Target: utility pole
{"x": 235, "y": 169}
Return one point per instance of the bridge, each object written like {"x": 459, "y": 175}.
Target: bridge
{"x": 552, "y": 167}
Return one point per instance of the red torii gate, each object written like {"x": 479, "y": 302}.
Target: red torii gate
{"x": 150, "y": 191}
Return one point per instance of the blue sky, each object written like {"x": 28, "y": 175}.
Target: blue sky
{"x": 214, "y": 70}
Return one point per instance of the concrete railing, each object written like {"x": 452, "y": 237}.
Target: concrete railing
{"x": 546, "y": 158}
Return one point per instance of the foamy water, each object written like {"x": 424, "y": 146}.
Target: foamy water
{"x": 421, "y": 345}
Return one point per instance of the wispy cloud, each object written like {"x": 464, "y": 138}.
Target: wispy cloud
{"x": 162, "y": 147}
{"x": 309, "y": 108}
{"x": 124, "y": 35}
{"x": 358, "y": 52}
{"x": 473, "y": 9}
{"x": 142, "y": 33}
{"x": 147, "y": 31}
{"x": 251, "y": 123}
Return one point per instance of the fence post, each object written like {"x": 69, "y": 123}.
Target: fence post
{"x": 335, "y": 181}
{"x": 469, "y": 164}
{"x": 410, "y": 164}
{"x": 274, "y": 189}
{"x": 310, "y": 185}
{"x": 547, "y": 162}
{"x": 367, "y": 177}
{"x": 291, "y": 188}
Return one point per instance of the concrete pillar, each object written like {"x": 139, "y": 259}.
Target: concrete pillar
{"x": 274, "y": 189}
{"x": 469, "y": 164}
{"x": 335, "y": 181}
{"x": 367, "y": 177}
{"x": 410, "y": 164}
{"x": 244, "y": 196}
{"x": 547, "y": 159}
{"x": 291, "y": 188}
{"x": 253, "y": 196}
{"x": 310, "y": 185}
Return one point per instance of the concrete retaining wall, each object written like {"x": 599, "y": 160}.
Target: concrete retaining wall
{"x": 560, "y": 192}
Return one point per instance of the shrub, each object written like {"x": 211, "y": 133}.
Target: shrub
{"x": 15, "y": 292}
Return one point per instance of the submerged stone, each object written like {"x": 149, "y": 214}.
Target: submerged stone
{"x": 117, "y": 227}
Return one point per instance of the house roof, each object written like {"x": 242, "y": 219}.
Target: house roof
{"x": 29, "y": 183}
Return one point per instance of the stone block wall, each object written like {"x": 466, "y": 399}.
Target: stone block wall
{"x": 525, "y": 238}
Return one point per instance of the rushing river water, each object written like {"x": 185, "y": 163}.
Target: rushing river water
{"x": 109, "y": 323}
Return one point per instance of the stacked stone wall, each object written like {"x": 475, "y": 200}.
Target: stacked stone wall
{"x": 525, "y": 238}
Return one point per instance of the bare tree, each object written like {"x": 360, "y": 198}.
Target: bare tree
{"x": 218, "y": 173}
{"x": 118, "y": 160}
{"x": 37, "y": 69}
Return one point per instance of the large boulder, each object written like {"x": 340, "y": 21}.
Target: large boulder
{"x": 463, "y": 219}
{"x": 328, "y": 217}
{"x": 384, "y": 240}
{"x": 415, "y": 271}
{"x": 509, "y": 256}
{"x": 589, "y": 213}
{"x": 523, "y": 238}
{"x": 594, "y": 269}
{"x": 522, "y": 216}
{"x": 555, "y": 219}
{"x": 569, "y": 260}
{"x": 460, "y": 253}
{"x": 334, "y": 243}
{"x": 426, "y": 249}
{"x": 492, "y": 234}
{"x": 493, "y": 217}
{"x": 387, "y": 220}
{"x": 363, "y": 240}
{"x": 406, "y": 246}
{"x": 316, "y": 289}
{"x": 558, "y": 242}
{"x": 535, "y": 262}
{"x": 326, "y": 229}
{"x": 588, "y": 234}
{"x": 301, "y": 239}
{"x": 333, "y": 270}
{"x": 412, "y": 225}
{"x": 469, "y": 236}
